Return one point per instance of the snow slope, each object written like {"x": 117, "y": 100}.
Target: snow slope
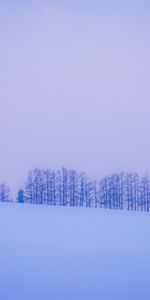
{"x": 60, "y": 253}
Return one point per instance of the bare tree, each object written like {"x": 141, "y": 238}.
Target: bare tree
{"x": 4, "y": 193}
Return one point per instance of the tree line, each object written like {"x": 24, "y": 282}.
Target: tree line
{"x": 71, "y": 188}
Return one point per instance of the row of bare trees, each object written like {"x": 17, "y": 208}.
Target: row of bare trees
{"x": 125, "y": 191}
{"x": 71, "y": 188}
{"x": 61, "y": 187}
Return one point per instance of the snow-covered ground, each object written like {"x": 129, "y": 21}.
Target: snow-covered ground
{"x": 60, "y": 253}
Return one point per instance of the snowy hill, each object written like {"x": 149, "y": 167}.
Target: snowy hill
{"x": 60, "y": 253}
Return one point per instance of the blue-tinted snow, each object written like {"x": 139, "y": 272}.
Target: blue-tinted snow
{"x": 56, "y": 253}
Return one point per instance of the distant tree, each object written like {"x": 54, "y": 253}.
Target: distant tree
{"x": 28, "y": 191}
{"x": 131, "y": 190}
{"x": 20, "y": 196}
{"x": 37, "y": 186}
{"x": 95, "y": 194}
{"x": 73, "y": 188}
{"x": 91, "y": 193}
{"x": 87, "y": 191}
{"x": 144, "y": 198}
{"x": 58, "y": 188}
{"x": 82, "y": 181}
{"x": 64, "y": 187}
{"x": 121, "y": 198}
{"x": 49, "y": 186}
{"x": 4, "y": 193}
{"x": 105, "y": 199}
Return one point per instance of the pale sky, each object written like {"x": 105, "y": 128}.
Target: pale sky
{"x": 74, "y": 87}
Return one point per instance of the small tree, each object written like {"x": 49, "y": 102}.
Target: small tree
{"x": 20, "y": 197}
